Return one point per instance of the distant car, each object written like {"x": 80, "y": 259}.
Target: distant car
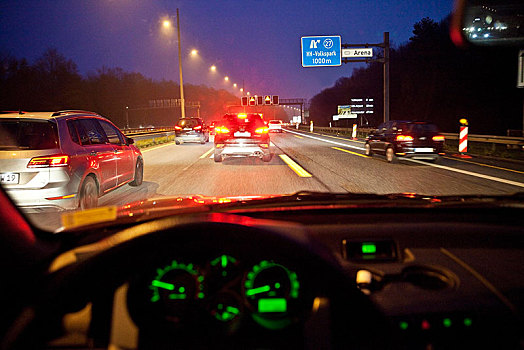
{"x": 212, "y": 127}
{"x": 64, "y": 160}
{"x": 275, "y": 126}
{"x": 242, "y": 135}
{"x": 191, "y": 130}
{"x": 411, "y": 139}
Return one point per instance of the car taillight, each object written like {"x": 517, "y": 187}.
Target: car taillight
{"x": 178, "y": 127}
{"x": 49, "y": 161}
{"x": 439, "y": 138}
{"x": 262, "y": 130}
{"x": 221, "y": 130}
{"x": 404, "y": 138}
{"x": 198, "y": 127}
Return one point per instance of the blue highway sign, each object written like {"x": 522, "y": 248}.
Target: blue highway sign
{"x": 321, "y": 51}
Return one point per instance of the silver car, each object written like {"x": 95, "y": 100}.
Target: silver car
{"x": 64, "y": 160}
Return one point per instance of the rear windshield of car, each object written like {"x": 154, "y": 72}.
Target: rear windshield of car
{"x": 418, "y": 127}
{"x": 188, "y": 123}
{"x": 28, "y": 134}
{"x": 249, "y": 118}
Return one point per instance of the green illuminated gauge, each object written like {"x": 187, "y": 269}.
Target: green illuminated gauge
{"x": 226, "y": 307}
{"x": 175, "y": 286}
{"x": 271, "y": 289}
{"x": 221, "y": 269}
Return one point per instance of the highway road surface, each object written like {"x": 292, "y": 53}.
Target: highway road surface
{"x": 304, "y": 161}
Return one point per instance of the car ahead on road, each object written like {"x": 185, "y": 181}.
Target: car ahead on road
{"x": 242, "y": 135}
{"x": 410, "y": 139}
{"x": 191, "y": 130}
{"x": 64, "y": 160}
{"x": 212, "y": 126}
{"x": 275, "y": 126}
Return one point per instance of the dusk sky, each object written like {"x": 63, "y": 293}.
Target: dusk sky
{"x": 254, "y": 41}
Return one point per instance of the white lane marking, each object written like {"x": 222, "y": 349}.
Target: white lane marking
{"x": 329, "y": 141}
{"x": 271, "y": 143}
{"x": 207, "y": 153}
{"x": 487, "y": 177}
{"x": 211, "y": 156}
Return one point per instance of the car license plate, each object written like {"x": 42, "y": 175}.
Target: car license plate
{"x": 242, "y": 134}
{"x": 423, "y": 150}
{"x": 188, "y": 129}
{"x": 10, "y": 178}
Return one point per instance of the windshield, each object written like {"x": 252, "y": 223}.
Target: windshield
{"x": 27, "y": 134}
{"x": 188, "y": 123}
{"x": 369, "y": 97}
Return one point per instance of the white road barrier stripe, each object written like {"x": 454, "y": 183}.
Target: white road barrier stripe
{"x": 487, "y": 177}
{"x": 329, "y": 141}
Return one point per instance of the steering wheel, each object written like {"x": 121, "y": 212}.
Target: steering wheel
{"x": 353, "y": 319}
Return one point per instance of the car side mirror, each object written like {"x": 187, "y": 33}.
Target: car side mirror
{"x": 130, "y": 141}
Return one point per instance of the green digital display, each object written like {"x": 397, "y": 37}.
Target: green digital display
{"x": 377, "y": 250}
{"x": 272, "y": 305}
{"x": 369, "y": 248}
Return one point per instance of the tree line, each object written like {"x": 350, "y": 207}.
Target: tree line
{"x": 431, "y": 79}
{"x": 53, "y": 83}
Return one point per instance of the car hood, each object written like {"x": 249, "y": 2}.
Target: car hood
{"x": 176, "y": 205}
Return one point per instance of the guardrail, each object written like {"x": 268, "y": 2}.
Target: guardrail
{"x": 139, "y": 131}
{"x": 146, "y": 137}
{"x": 488, "y": 145}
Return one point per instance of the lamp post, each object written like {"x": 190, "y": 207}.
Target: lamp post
{"x": 182, "y": 101}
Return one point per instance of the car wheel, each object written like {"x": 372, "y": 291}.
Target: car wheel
{"x": 177, "y": 142}
{"x": 367, "y": 150}
{"x": 390, "y": 155}
{"x": 217, "y": 157}
{"x": 139, "y": 173}
{"x": 88, "y": 194}
{"x": 266, "y": 157}
{"x": 436, "y": 160}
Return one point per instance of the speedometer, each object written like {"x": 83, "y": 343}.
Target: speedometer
{"x": 271, "y": 289}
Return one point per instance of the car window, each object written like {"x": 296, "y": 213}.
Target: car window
{"x": 113, "y": 135}
{"x": 188, "y": 123}
{"x": 421, "y": 128}
{"x": 28, "y": 134}
{"x": 93, "y": 131}
{"x": 73, "y": 133}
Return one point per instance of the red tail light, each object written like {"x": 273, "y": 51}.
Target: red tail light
{"x": 439, "y": 138}
{"x": 178, "y": 127}
{"x": 49, "y": 161}
{"x": 198, "y": 127}
{"x": 404, "y": 138}
{"x": 221, "y": 130}
{"x": 262, "y": 130}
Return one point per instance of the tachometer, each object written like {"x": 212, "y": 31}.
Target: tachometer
{"x": 176, "y": 286}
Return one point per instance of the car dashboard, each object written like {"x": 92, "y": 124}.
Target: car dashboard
{"x": 298, "y": 278}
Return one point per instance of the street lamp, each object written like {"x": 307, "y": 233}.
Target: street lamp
{"x": 226, "y": 78}
{"x": 194, "y": 52}
{"x": 235, "y": 85}
{"x": 167, "y": 26}
{"x": 213, "y": 68}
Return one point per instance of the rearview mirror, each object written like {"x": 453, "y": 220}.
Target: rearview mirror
{"x": 130, "y": 141}
{"x": 488, "y": 22}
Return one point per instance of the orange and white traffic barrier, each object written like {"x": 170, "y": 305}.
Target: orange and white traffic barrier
{"x": 311, "y": 126}
{"x": 463, "y": 136}
{"x": 354, "y": 133}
